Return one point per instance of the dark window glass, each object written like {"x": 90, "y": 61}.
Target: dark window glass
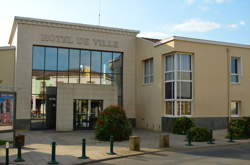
{"x": 183, "y": 62}
{"x": 37, "y": 82}
{"x": 169, "y": 63}
{"x": 63, "y": 60}
{"x": 50, "y": 78}
{"x": 106, "y": 62}
{"x": 117, "y": 63}
{"x": 63, "y": 65}
{"x": 85, "y": 61}
{"x": 169, "y": 90}
{"x": 170, "y": 107}
{"x": 184, "y": 90}
{"x": 51, "y": 59}
{"x": 38, "y": 58}
{"x": 234, "y": 65}
{"x": 106, "y": 79}
{"x": 74, "y": 66}
{"x": 96, "y": 62}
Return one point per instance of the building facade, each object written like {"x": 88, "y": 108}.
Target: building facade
{"x": 65, "y": 74}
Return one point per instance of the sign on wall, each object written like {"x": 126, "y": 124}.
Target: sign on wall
{"x": 7, "y": 109}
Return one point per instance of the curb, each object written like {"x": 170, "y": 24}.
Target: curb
{"x": 165, "y": 149}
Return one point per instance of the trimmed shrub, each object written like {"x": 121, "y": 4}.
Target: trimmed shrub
{"x": 247, "y": 126}
{"x": 200, "y": 134}
{"x": 182, "y": 125}
{"x": 113, "y": 121}
{"x": 239, "y": 128}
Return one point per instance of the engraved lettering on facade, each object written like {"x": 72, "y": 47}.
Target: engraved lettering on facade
{"x": 79, "y": 40}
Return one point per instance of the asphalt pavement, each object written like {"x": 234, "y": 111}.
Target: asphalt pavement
{"x": 226, "y": 155}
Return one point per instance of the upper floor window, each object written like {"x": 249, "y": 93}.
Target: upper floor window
{"x": 235, "y": 69}
{"x": 235, "y": 108}
{"x": 148, "y": 71}
{"x": 178, "y": 84}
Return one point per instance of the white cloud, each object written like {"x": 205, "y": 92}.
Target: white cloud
{"x": 232, "y": 26}
{"x": 196, "y": 25}
{"x": 157, "y": 35}
{"x": 242, "y": 22}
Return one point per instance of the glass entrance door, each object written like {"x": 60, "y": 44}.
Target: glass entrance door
{"x": 86, "y": 113}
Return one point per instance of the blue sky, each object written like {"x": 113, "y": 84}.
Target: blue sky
{"x": 222, "y": 20}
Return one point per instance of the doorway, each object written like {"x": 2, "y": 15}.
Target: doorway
{"x": 86, "y": 113}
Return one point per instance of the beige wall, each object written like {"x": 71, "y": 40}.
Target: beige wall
{"x": 7, "y": 69}
{"x": 212, "y": 90}
{"x": 30, "y": 34}
{"x": 66, "y": 93}
{"x": 149, "y": 97}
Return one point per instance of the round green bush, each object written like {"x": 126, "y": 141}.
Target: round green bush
{"x": 113, "y": 122}
{"x": 200, "y": 134}
{"x": 238, "y": 127}
{"x": 182, "y": 125}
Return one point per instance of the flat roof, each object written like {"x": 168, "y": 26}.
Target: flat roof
{"x": 7, "y": 47}
{"x": 200, "y": 41}
{"x": 37, "y": 21}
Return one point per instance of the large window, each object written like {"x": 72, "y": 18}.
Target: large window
{"x": 235, "y": 108}
{"x": 52, "y": 65}
{"x": 148, "y": 71}
{"x": 178, "y": 84}
{"x": 235, "y": 69}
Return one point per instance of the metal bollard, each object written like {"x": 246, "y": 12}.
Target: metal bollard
{"x": 7, "y": 153}
{"x": 111, "y": 146}
{"x": 210, "y": 141}
{"x": 19, "y": 154}
{"x": 189, "y": 138}
{"x": 83, "y": 150}
{"x": 53, "y": 154}
{"x": 231, "y": 136}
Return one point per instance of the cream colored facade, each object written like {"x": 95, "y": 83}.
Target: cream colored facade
{"x": 7, "y": 67}
{"x": 212, "y": 90}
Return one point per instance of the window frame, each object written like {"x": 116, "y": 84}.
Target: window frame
{"x": 238, "y": 106}
{"x": 150, "y": 63}
{"x": 239, "y": 69}
{"x": 175, "y": 81}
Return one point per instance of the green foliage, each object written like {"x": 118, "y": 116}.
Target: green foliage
{"x": 182, "y": 125}
{"x": 113, "y": 121}
{"x": 200, "y": 134}
{"x": 3, "y": 142}
{"x": 240, "y": 128}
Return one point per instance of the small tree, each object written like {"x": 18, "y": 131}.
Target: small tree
{"x": 182, "y": 125}
{"x": 113, "y": 122}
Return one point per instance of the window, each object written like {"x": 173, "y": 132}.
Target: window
{"x": 148, "y": 71}
{"x": 178, "y": 84}
{"x": 235, "y": 108}
{"x": 235, "y": 69}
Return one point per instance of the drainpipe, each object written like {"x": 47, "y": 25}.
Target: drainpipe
{"x": 228, "y": 85}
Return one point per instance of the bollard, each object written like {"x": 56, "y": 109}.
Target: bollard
{"x": 19, "y": 154}
{"x": 7, "y": 153}
{"x": 111, "y": 146}
{"x": 210, "y": 141}
{"x": 164, "y": 141}
{"x": 189, "y": 138}
{"x": 134, "y": 143}
{"x": 231, "y": 136}
{"x": 53, "y": 154}
{"x": 83, "y": 150}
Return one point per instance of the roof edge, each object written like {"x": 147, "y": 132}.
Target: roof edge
{"x": 7, "y": 47}
{"x": 201, "y": 41}
{"x": 18, "y": 19}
